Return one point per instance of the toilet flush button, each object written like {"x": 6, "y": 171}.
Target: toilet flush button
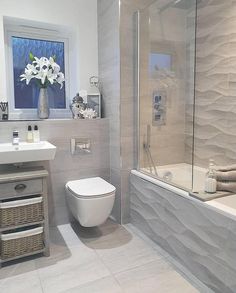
{"x": 80, "y": 146}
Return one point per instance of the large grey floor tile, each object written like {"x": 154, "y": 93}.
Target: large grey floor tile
{"x": 106, "y": 259}
{"x": 157, "y": 276}
{"x": 105, "y": 285}
{"x": 83, "y": 266}
{"x": 129, "y": 255}
{"x": 17, "y": 267}
{"x": 71, "y": 262}
{"x": 28, "y": 282}
{"x": 118, "y": 248}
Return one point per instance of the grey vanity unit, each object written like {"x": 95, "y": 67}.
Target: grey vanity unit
{"x": 24, "y": 227}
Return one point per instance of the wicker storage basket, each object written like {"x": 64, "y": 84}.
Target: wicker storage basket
{"x": 22, "y": 243}
{"x": 21, "y": 212}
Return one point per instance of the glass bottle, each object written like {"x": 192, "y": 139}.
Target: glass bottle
{"x": 210, "y": 180}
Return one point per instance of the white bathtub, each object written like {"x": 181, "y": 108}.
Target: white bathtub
{"x": 182, "y": 178}
{"x": 181, "y": 175}
{"x": 226, "y": 203}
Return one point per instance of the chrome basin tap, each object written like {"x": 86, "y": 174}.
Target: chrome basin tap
{"x": 15, "y": 137}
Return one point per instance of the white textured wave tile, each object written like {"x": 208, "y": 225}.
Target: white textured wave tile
{"x": 200, "y": 238}
{"x": 215, "y": 136}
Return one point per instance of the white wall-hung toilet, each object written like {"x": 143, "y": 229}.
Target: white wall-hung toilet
{"x": 90, "y": 200}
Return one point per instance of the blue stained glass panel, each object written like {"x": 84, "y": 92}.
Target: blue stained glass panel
{"x": 26, "y": 96}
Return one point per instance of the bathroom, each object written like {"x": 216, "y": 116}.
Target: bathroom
{"x": 163, "y": 74}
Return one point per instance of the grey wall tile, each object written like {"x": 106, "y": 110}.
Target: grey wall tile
{"x": 66, "y": 167}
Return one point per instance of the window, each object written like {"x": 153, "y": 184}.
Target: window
{"x": 26, "y": 96}
{"x": 42, "y": 42}
{"x": 159, "y": 61}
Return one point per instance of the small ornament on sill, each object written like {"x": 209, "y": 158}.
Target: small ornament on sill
{"x": 4, "y": 110}
{"x": 88, "y": 113}
{"x": 76, "y": 106}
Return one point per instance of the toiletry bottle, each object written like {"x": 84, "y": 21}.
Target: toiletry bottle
{"x": 210, "y": 181}
{"x": 36, "y": 134}
{"x": 30, "y": 134}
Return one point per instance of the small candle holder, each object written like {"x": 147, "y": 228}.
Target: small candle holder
{"x": 4, "y": 110}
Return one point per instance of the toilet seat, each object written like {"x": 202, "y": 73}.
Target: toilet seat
{"x": 90, "y": 188}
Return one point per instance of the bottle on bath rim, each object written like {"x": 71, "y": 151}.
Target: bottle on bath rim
{"x": 210, "y": 181}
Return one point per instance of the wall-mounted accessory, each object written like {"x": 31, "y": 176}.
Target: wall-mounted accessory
{"x": 76, "y": 106}
{"x": 94, "y": 81}
{"x": 4, "y": 110}
{"x": 80, "y": 146}
{"x": 46, "y": 72}
{"x": 159, "y": 108}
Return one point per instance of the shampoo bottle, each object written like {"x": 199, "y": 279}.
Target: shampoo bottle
{"x": 36, "y": 134}
{"x": 210, "y": 181}
{"x": 30, "y": 134}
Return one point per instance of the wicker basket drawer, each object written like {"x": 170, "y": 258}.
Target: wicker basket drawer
{"x": 21, "y": 243}
{"x": 20, "y": 188}
{"x": 22, "y": 211}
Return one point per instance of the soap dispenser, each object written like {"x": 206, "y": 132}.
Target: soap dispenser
{"x": 36, "y": 134}
{"x": 30, "y": 134}
{"x": 210, "y": 180}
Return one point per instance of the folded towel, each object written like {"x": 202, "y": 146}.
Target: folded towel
{"x": 226, "y": 176}
{"x": 226, "y": 168}
{"x": 226, "y": 186}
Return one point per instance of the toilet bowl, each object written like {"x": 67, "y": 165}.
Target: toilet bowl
{"x": 90, "y": 200}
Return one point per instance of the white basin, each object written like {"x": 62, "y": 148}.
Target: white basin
{"x": 26, "y": 152}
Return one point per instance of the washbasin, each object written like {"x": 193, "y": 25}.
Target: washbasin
{"x": 26, "y": 152}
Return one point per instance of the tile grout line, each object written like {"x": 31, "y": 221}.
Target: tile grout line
{"x": 38, "y": 275}
{"x": 111, "y": 274}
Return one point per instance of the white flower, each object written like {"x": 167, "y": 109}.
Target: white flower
{"x": 26, "y": 76}
{"x": 47, "y": 71}
{"x": 55, "y": 67}
{"x": 41, "y": 63}
{"x": 51, "y": 76}
{"x": 42, "y": 74}
{"x": 60, "y": 78}
{"x": 88, "y": 113}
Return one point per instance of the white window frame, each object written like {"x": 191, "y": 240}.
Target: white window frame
{"x": 41, "y": 34}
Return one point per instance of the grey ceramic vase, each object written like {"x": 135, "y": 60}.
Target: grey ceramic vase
{"x": 43, "y": 106}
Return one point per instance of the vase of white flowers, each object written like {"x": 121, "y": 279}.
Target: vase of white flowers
{"x": 45, "y": 72}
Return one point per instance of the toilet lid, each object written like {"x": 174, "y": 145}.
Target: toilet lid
{"x": 95, "y": 186}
